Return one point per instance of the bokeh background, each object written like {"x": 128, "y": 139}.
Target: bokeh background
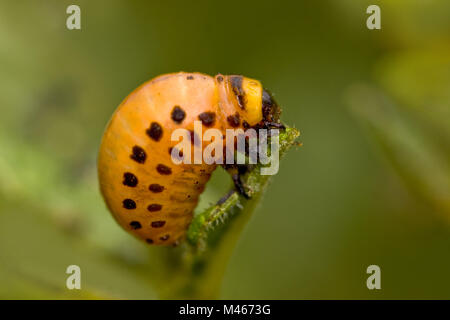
{"x": 371, "y": 184}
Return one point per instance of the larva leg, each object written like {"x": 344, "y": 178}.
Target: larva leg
{"x": 274, "y": 125}
{"x": 236, "y": 171}
{"x": 270, "y": 125}
{"x": 225, "y": 197}
{"x": 239, "y": 185}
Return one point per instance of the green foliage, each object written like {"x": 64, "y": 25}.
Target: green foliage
{"x": 415, "y": 155}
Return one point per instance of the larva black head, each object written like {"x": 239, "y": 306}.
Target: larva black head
{"x": 271, "y": 112}
{"x": 270, "y": 109}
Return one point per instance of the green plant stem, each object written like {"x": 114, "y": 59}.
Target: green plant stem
{"x": 213, "y": 233}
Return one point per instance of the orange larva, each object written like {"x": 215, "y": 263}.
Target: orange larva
{"x": 146, "y": 192}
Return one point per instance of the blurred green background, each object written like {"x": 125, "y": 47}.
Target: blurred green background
{"x": 371, "y": 184}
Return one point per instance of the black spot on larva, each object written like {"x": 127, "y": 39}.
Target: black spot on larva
{"x": 158, "y": 224}
{"x": 236, "y": 84}
{"x": 190, "y": 77}
{"x": 207, "y": 118}
{"x": 138, "y": 154}
{"x": 234, "y": 120}
{"x": 178, "y": 114}
{"x": 135, "y": 225}
{"x": 154, "y": 207}
{"x": 178, "y": 153}
{"x": 149, "y": 241}
{"x": 245, "y": 124}
{"x": 164, "y": 170}
{"x": 129, "y": 204}
{"x": 156, "y": 188}
{"x": 130, "y": 179}
{"x": 164, "y": 238}
{"x": 155, "y": 131}
{"x": 219, "y": 79}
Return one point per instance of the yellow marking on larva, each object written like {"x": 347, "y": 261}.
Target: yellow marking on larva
{"x": 253, "y": 90}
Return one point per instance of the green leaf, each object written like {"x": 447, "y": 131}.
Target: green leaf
{"x": 411, "y": 150}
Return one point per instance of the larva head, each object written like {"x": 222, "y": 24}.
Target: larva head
{"x": 270, "y": 109}
{"x": 254, "y": 104}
